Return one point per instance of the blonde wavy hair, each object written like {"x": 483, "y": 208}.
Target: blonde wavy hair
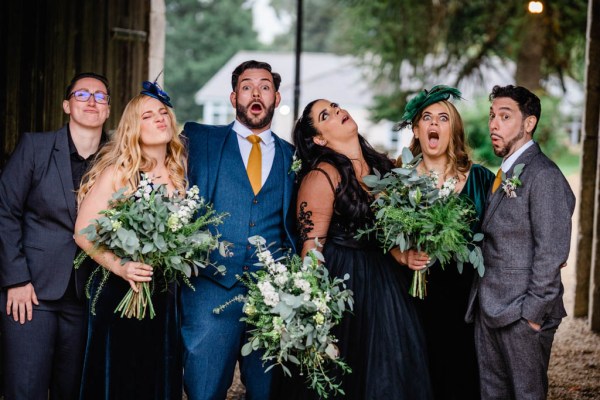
{"x": 123, "y": 151}
{"x": 459, "y": 160}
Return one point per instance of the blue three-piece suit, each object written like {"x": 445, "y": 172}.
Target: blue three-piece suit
{"x": 212, "y": 342}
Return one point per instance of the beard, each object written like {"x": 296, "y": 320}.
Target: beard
{"x": 242, "y": 114}
{"x": 504, "y": 150}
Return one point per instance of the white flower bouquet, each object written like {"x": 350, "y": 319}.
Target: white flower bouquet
{"x": 296, "y": 164}
{"x": 412, "y": 213}
{"x": 292, "y": 304}
{"x": 152, "y": 227}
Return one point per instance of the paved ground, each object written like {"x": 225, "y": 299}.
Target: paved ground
{"x": 575, "y": 362}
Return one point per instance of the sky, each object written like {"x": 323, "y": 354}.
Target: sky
{"x": 266, "y": 22}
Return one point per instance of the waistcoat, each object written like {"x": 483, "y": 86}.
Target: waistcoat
{"x": 249, "y": 214}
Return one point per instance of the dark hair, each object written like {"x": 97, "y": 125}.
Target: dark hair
{"x": 350, "y": 198}
{"x": 252, "y": 64}
{"x": 529, "y": 103}
{"x": 83, "y": 75}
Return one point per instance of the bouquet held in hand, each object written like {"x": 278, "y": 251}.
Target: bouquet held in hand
{"x": 152, "y": 227}
{"x": 412, "y": 213}
{"x": 291, "y": 305}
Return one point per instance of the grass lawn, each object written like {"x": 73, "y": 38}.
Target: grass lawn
{"x": 568, "y": 163}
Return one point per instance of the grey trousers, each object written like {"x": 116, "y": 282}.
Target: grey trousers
{"x": 513, "y": 360}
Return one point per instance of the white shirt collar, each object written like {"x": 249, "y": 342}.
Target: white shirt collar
{"x": 508, "y": 163}
{"x": 244, "y": 131}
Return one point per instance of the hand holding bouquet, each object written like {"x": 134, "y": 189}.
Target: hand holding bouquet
{"x": 154, "y": 228}
{"x": 292, "y": 305}
{"x": 412, "y": 213}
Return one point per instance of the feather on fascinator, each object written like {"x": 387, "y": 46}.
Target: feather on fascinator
{"x": 152, "y": 89}
{"x": 426, "y": 98}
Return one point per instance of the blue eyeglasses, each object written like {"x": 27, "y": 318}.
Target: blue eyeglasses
{"x": 84, "y": 95}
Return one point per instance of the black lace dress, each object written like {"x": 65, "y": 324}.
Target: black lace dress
{"x": 382, "y": 339}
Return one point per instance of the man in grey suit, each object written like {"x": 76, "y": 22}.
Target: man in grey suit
{"x": 44, "y": 325}
{"x": 517, "y": 305}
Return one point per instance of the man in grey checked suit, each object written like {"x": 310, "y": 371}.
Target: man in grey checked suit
{"x": 517, "y": 305}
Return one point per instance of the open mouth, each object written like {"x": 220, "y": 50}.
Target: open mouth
{"x": 256, "y": 108}
{"x": 433, "y": 139}
{"x": 345, "y": 118}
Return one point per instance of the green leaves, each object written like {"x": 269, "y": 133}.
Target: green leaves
{"x": 153, "y": 227}
{"x": 293, "y": 303}
{"x": 410, "y": 213}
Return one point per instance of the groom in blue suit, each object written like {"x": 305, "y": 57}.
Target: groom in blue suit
{"x": 243, "y": 169}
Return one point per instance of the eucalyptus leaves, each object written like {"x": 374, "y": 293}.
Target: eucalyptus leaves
{"x": 411, "y": 213}
{"x": 292, "y": 305}
{"x": 152, "y": 227}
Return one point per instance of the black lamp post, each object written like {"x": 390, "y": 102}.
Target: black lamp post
{"x": 298, "y": 53}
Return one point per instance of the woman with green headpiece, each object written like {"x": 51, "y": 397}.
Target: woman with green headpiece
{"x": 439, "y": 136}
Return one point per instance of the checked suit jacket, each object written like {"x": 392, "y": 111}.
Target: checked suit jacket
{"x": 526, "y": 239}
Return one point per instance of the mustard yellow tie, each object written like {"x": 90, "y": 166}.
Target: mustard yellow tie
{"x": 254, "y": 167}
{"x": 497, "y": 181}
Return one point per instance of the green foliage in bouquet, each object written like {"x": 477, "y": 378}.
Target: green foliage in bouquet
{"x": 412, "y": 213}
{"x": 292, "y": 305}
{"x": 152, "y": 227}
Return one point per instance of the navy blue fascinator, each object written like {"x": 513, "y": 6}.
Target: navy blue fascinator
{"x": 152, "y": 89}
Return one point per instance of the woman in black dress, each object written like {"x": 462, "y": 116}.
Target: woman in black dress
{"x": 130, "y": 358}
{"x": 381, "y": 339}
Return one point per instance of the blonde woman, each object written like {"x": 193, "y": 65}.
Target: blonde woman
{"x": 440, "y": 137}
{"x": 129, "y": 358}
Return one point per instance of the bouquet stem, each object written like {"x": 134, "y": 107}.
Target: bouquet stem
{"x": 418, "y": 286}
{"x": 135, "y": 304}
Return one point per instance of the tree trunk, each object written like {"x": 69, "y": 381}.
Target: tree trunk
{"x": 529, "y": 58}
{"x": 587, "y": 267}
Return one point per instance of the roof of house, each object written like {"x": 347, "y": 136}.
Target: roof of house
{"x": 323, "y": 75}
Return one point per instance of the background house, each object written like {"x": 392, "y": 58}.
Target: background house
{"x": 343, "y": 80}
{"x": 323, "y": 75}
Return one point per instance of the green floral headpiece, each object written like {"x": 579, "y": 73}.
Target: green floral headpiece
{"x": 424, "y": 99}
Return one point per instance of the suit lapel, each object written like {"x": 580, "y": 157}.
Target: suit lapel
{"x": 496, "y": 198}
{"x": 62, "y": 160}
{"x": 215, "y": 144}
{"x": 288, "y": 177}
{"x": 288, "y": 187}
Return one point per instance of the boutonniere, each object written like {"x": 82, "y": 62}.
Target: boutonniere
{"x": 510, "y": 185}
{"x": 296, "y": 164}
